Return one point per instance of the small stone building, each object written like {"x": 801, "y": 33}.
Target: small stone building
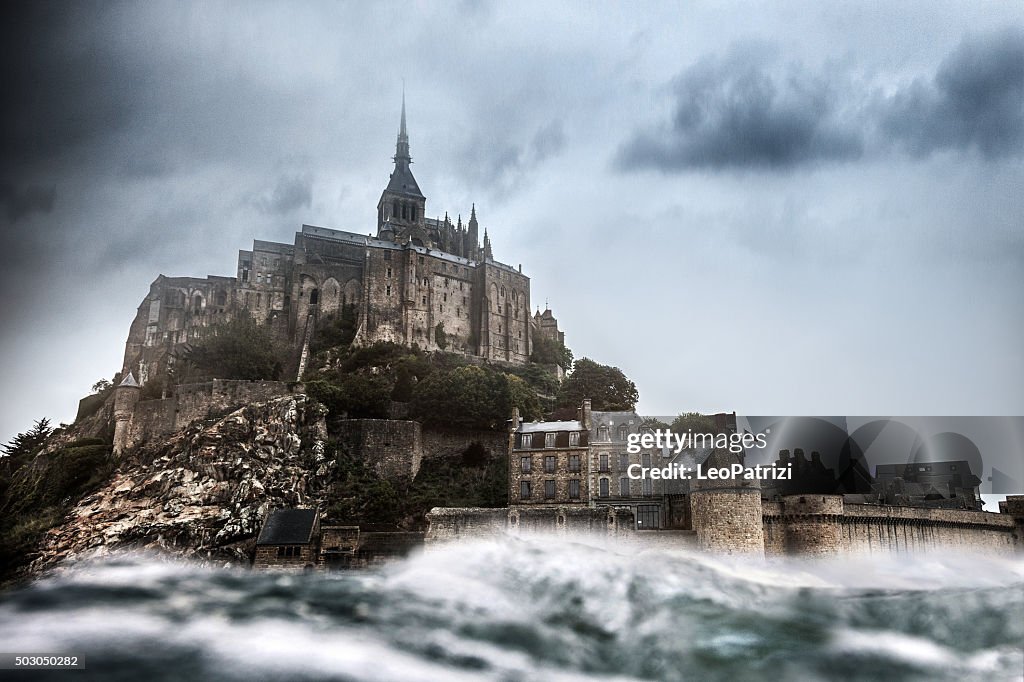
{"x": 289, "y": 539}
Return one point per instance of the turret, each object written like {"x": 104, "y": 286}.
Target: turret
{"x": 126, "y": 396}
{"x": 726, "y": 511}
{"x": 474, "y": 234}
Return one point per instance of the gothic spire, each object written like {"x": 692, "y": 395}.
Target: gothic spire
{"x": 402, "y": 157}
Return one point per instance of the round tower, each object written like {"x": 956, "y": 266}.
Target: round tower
{"x": 126, "y": 396}
{"x": 726, "y": 512}
{"x": 812, "y": 523}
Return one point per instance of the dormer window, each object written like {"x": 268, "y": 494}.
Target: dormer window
{"x": 574, "y": 438}
{"x": 549, "y": 440}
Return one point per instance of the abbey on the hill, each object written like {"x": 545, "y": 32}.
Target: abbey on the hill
{"x": 419, "y": 280}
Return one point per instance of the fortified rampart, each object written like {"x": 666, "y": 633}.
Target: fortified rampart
{"x": 824, "y": 524}
{"x": 138, "y": 421}
{"x": 392, "y": 447}
{"x": 795, "y": 525}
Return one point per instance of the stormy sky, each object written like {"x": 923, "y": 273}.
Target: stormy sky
{"x": 792, "y": 208}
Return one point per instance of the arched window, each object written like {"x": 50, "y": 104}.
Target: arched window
{"x": 197, "y": 303}
{"x": 394, "y": 209}
{"x": 405, "y": 211}
{"x": 314, "y": 297}
{"x": 412, "y": 212}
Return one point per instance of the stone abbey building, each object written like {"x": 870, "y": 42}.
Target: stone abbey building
{"x": 417, "y": 280}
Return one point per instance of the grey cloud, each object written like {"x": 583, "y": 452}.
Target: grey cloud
{"x": 548, "y": 141}
{"x": 975, "y": 100}
{"x": 504, "y": 166}
{"x": 21, "y": 202}
{"x": 740, "y": 112}
{"x": 735, "y": 112}
{"x": 291, "y": 192}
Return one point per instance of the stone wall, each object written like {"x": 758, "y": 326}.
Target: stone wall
{"x": 457, "y": 523}
{"x": 153, "y": 419}
{"x": 438, "y": 444}
{"x": 267, "y": 557}
{"x": 392, "y": 447}
{"x": 825, "y": 525}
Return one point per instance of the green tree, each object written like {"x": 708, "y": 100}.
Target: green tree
{"x": 467, "y": 397}
{"x": 524, "y": 397}
{"x": 653, "y": 423}
{"x": 693, "y": 421}
{"x": 440, "y": 337}
{"x": 23, "y": 446}
{"x": 607, "y": 387}
{"x": 337, "y": 331}
{"x": 239, "y": 349}
{"x": 550, "y": 352}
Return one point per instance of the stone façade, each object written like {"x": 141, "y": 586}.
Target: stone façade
{"x": 417, "y": 280}
{"x": 722, "y": 516}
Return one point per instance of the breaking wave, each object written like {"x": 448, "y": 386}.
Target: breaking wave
{"x": 532, "y": 610}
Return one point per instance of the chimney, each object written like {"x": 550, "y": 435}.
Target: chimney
{"x": 584, "y": 414}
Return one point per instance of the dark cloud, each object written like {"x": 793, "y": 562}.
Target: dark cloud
{"x": 24, "y": 201}
{"x": 291, "y": 192}
{"x": 740, "y": 112}
{"x": 975, "y": 100}
{"x": 501, "y": 166}
{"x": 735, "y": 112}
{"x": 64, "y": 85}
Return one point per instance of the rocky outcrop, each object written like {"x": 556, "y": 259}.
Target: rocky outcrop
{"x": 205, "y": 491}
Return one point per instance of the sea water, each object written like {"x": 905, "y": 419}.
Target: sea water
{"x": 531, "y": 609}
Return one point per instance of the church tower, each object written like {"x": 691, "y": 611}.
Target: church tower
{"x": 400, "y": 211}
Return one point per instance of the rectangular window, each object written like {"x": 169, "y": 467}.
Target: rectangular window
{"x": 604, "y": 463}
{"x": 549, "y": 464}
{"x": 574, "y": 438}
{"x": 624, "y": 486}
{"x": 574, "y": 488}
{"x": 424, "y": 300}
{"x": 646, "y": 458}
{"x": 549, "y": 440}
{"x": 440, "y": 308}
{"x": 648, "y": 516}
{"x": 623, "y": 461}
{"x": 524, "y": 490}
{"x": 387, "y": 256}
{"x": 526, "y": 464}
{"x": 603, "y": 487}
{"x": 648, "y": 486}
{"x": 549, "y": 489}
{"x": 389, "y": 272}
{"x": 574, "y": 462}
{"x": 387, "y": 290}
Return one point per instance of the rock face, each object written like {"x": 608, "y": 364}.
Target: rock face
{"x": 205, "y": 491}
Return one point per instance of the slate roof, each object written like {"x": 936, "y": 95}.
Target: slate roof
{"x": 402, "y": 182}
{"x": 288, "y": 527}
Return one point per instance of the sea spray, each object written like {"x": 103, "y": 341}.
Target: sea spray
{"x": 533, "y": 609}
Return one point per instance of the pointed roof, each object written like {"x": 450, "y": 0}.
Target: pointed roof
{"x": 402, "y": 180}
{"x": 128, "y": 382}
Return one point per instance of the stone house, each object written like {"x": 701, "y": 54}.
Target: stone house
{"x": 549, "y": 461}
{"x": 289, "y": 539}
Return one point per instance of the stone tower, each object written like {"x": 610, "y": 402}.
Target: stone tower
{"x": 126, "y": 396}
{"x": 400, "y": 211}
{"x": 812, "y": 523}
{"x": 726, "y": 513}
